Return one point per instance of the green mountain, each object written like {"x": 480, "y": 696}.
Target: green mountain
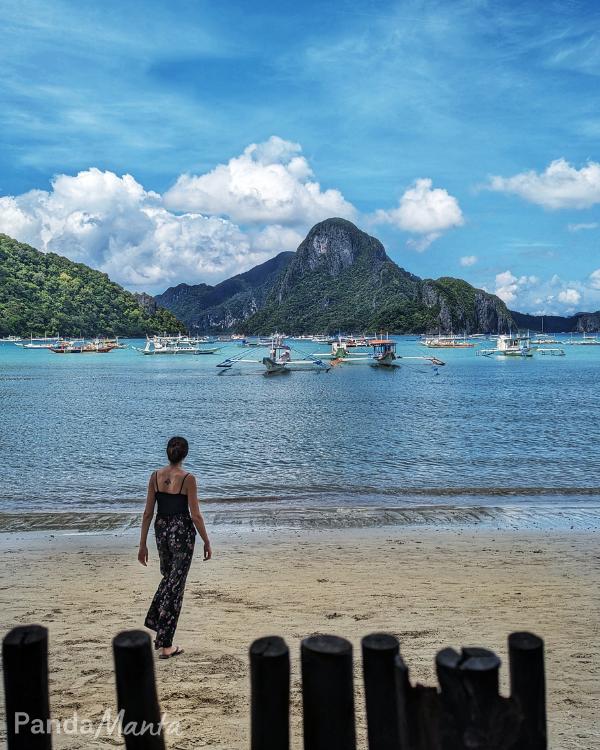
{"x": 341, "y": 278}
{"x": 45, "y": 292}
{"x": 229, "y": 304}
{"x": 581, "y": 322}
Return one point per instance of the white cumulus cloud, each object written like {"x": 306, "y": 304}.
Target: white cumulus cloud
{"x": 509, "y": 286}
{"x": 269, "y": 182}
{"x": 550, "y": 296}
{"x": 425, "y": 211}
{"x": 468, "y": 260}
{"x": 275, "y": 238}
{"x": 112, "y": 223}
{"x": 559, "y": 186}
{"x": 569, "y": 297}
{"x": 594, "y": 280}
{"x": 506, "y": 286}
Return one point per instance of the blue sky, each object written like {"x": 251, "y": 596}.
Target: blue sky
{"x": 367, "y": 99}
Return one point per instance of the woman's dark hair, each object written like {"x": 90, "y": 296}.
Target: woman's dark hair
{"x": 177, "y": 449}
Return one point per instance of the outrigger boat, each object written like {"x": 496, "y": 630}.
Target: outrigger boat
{"x": 543, "y": 341}
{"x": 74, "y": 346}
{"x": 173, "y": 345}
{"x": 109, "y": 343}
{"x": 585, "y": 341}
{"x": 45, "y": 342}
{"x": 384, "y": 355}
{"x": 384, "y": 352}
{"x": 255, "y": 343}
{"x": 510, "y": 345}
{"x": 447, "y": 342}
{"x": 279, "y": 360}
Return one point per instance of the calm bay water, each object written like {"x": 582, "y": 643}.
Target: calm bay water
{"x": 500, "y": 441}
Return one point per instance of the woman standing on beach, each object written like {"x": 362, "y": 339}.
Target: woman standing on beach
{"x": 178, "y": 513}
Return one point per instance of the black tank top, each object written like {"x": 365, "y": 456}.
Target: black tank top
{"x": 169, "y": 503}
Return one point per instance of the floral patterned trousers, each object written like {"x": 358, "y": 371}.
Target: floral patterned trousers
{"x": 175, "y": 537}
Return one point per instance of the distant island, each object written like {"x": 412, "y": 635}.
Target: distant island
{"x": 44, "y": 292}
{"x": 339, "y": 279}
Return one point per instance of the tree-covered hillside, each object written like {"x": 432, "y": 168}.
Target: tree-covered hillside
{"x": 228, "y": 304}
{"x": 44, "y": 292}
{"x": 342, "y": 279}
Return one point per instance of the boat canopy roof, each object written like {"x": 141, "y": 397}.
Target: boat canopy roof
{"x": 380, "y": 342}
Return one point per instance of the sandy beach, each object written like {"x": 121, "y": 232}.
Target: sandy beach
{"x": 430, "y": 588}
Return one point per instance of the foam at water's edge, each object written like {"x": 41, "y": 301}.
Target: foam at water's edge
{"x": 509, "y": 517}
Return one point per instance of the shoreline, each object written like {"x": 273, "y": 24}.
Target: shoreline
{"x": 429, "y": 586}
{"x": 584, "y": 517}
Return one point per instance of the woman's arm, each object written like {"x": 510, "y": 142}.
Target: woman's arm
{"x": 146, "y": 521}
{"x": 194, "y": 506}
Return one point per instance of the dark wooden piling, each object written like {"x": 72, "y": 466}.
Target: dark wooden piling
{"x": 418, "y": 712}
{"x": 136, "y": 691}
{"x": 470, "y": 698}
{"x": 327, "y": 693}
{"x": 270, "y": 694}
{"x": 528, "y": 687}
{"x": 25, "y": 664}
{"x": 379, "y": 651}
{"x": 403, "y": 692}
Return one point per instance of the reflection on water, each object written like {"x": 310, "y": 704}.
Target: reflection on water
{"x": 85, "y": 432}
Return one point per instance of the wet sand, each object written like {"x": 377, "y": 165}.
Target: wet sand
{"x": 432, "y": 588}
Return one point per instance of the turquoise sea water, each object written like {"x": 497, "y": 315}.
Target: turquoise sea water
{"x": 497, "y": 441}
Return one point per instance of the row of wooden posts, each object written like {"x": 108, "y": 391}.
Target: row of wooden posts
{"x": 466, "y": 712}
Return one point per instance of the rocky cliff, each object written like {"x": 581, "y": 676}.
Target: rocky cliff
{"x": 579, "y": 323}
{"x": 340, "y": 278}
{"x": 227, "y": 305}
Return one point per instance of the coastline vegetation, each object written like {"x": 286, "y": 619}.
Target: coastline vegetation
{"x": 44, "y": 292}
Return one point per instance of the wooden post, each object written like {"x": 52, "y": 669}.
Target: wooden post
{"x": 25, "y": 663}
{"x": 528, "y": 688}
{"x": 470, "y": 697}
{"x": 327, "y": 693}
{"x": 270, "y": 694}
{"x": 136, "y": 691}
{"x": 379, "y": 651}
{"x": 403, "y": 702}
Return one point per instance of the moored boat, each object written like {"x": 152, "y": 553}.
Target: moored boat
{"x": 510, "y": 345}
{"x": 173, "y": 345}
{"x": 66, "y": 346}
{"x": 43, "y": 342}
{"x": 384, "y": 352}
{"x": 447, "y": 342}
{"x": 278, "y": 360}
{"x": 585, "y": 341}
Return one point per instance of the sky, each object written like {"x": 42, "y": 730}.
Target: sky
{"x": 186, "y": 142}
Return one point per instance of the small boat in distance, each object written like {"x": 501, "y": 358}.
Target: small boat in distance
{"x": 585, "y": 341}
{"x": 510, "y": 345}
{"x": 543, "y": 341}
{"x": 65, "y": 346}
{"x": 448, "y": 342}
{"x": 173, "y": 345}
{"x": 43, "y": 342}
